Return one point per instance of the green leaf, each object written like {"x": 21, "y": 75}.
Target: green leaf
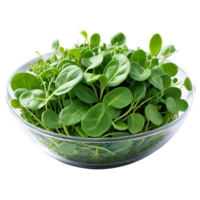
{"x": 55, "y": 45}
{"x": 166, "y": 79}
{"x": 139, "y": 57}
{"x": 139, "y": 91}
{"x": 188, "y": 84}
{"x": 86, "y": 53}
{"x": 83, "y": 33}
{"x": 182, "y": 104}
{"x": 120, "y": 125}
{"x": 65, "y": 63}
{"x": 15, "y": 103}
{"x": 18, "y": 92}
{"x": 173, "y": 92}
{"x": 33, "y": 99}
{"x": 168, "y": 51}
{"x": 118, "y": 38}
{"x": 106, "y": 58}
{"x": 96, "y": 121}
{"x": 175, "y": 80}
{"x": 155, "y": 77}
{"x": 165, "y": 121}
{"x": 119, "y": 134}
{"x": 93, "y": 62}
{"x": 85, "y": 94}
{"x": 138, "y": 73}
{"x": 155, "y": 44}
{"x": 68, "y": 79}
{"x": 118, "y": 98}
{"x": 76, "y": 53}
{"x": 171, "y": 105}
{"x": 89, "y": 79}
{"x": 135, "y": 123}
{"x": 170, "y": 68}
{"x": 120, "y": 145}
{"x": 66, "y": 149}
{"x": 51, "y": 70}
{"x": 51, "y": 119}
{"x": 74, "y": 113}
{"x": 95, "y": 39}
{"x": 81, "y": 132}
{"x": 61, "y": 49}
{"x": 24, "y": 80}
{"x": 66, "y": 102}
{"x": 117, "y": 70}
{"x": 153, "y": 115}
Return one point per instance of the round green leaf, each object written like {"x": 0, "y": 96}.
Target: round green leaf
{"x": 118, "y": 38}
{"x": 170, "y": 68}
{"x": 135, "y": 123}
{"x": 74, "y": 113}
{"x": 86, "y": 53}
{"x": 166, "y": 79}
{"x": 24, "y": 80}
{"x": 118, "y": 98}
{"x": 173, "y": 92}
{"x": 96, "y": 121}
{"x": 33, "y": 99}
{"x": 139, "y": 91}
{"x": 117, "y": 70}
{"x": 155, "y": 44}
{"x": 95, "y": 39}
{"x": 65, "y": 63}
{"x": 153, "y": 115}
{"x": 120, "y": 125}
{"x": 51, "y": 119}
{"x": 165, "y": 121}
{"x": 168, "y": 50}
{"x": 139, "y": 57}
{"x": 55, "y": 45}
{"x": 18, "y": 92}
{"x": 66, "y": 149}
{"x": 138, "y": 73}
{"x": 155, "y": 77}
{"x": 68, "y": 79}
{"x": 85, "y": 94}
{"x": 89, "y": 79}
{"x": 171, "y": 105}
{"x": 76, "y": 53}
{"x": 182, "y": 104}
{"x": 15, "y": 103}
{"x": 188, "y": 84}
{"x": 175, "y": 80}
{"x": 93, "y": 62}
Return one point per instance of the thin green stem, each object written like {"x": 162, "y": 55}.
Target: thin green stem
{"x": 65, "y": 129}
{"x": 146, "y": 128}
{"x": 36, "y": 119}
{"x": 129, "y": 110}
{"x": 60, "y": 103}
{"x": 58, "y": 131}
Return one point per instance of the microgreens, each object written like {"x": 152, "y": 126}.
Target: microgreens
{"x": 98, "y": 90}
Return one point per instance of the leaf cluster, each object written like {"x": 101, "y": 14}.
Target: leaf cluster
{"x": 98, "y": 90}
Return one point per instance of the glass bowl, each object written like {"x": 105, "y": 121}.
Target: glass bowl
{"x": 99, "y": 153}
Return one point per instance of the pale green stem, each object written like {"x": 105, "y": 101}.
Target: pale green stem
{"x": 65, "y": 129}
{"x": 36, "y": 119}
{"x": 146, "y": 128}
{"x": 129, "y": 110}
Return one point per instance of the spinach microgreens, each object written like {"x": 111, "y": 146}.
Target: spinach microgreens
{"x": 98, "y": 90}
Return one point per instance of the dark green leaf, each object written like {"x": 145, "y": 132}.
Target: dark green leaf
{"x": 188, "y": 84}
{"x": 118, "y": 38}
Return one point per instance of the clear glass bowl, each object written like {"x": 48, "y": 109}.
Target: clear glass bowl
{"x": 99, "y": 153}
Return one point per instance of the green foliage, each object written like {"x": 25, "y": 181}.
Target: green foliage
{"x": 155, "y": 44}
{"x": 94, "y": 90}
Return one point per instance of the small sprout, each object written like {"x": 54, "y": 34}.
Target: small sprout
{"x": 55, "y": 45}
{"x": 84, "y": 34}
{"x": 175, "y": 80}
{"x": 15, "y": 103}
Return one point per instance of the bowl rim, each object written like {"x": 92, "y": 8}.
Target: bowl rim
{"x": 98, "y": 140}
